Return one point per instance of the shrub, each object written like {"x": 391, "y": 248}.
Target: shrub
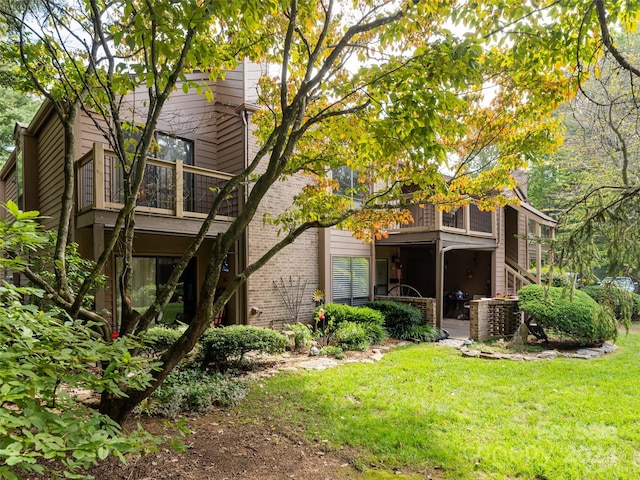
{"x": 192, "y": 390}
{"x": 399, "y": 318}
{"x": 333, "y": 351}
{"x": 425, "y": 333}
{"x": 352, "y": 336}
{"x": 577, "y": 315}
{"x": 625, "y": 305}
{"x": 336, "y": 313}
{"x": 226, "y": 345}
{"x": 376, "y": 334}
{"x": 302, "y": 335}
{"x": 158, "y": 339}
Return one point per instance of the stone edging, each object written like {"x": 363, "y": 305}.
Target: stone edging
{"x": 582, "y": 353}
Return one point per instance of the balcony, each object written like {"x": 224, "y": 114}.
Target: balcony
{"x": 169, "y": 189}
{"x": 467, "y": 220}
{"x": 173, "y": 198}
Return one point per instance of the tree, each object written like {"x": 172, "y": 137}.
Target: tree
{"x": 592, "y": 182}
{"x": 42, "y": 352}
{"x": 381, "y": 86}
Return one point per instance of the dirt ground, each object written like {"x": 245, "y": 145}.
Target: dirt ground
{"x": 226, "y": 445}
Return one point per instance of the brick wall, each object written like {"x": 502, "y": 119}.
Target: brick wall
{"x": 296, "y": 264}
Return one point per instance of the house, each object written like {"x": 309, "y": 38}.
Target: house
{"x": 455, "y": 257}
{"x": 202, "y": 144}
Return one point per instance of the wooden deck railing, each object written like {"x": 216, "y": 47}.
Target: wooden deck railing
{"x": 168, "y": 188}
{"x": 469, "y": 220}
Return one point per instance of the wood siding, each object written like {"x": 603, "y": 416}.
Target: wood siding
{"x": 50, "y": 171}
{"x": 10, "y": 188}
{"x": 231, "y": 143}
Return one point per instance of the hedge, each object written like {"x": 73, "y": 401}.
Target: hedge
{"x": 625, "y": 305}
{"x": 574, "y": 315}
{"x": 227, "y": 345}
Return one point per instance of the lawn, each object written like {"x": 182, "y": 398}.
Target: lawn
{"x": 426, "y": 406}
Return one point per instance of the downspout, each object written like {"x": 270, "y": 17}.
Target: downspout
{"x": 440, "y": 275}
{"x": 244, "y": 247}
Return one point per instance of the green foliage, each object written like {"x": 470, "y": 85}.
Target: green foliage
{"x": 77, "y": 268}
{"x": 193, "y": 390}
{"x": 424, "y": 333}
{"x": 625, "y": 305}
{"x": 351, "y": 328}
{"x": 336, "y": 313}
{"x": 574, "y": 314}
{"x": 228, "y": 345}
{"x": 376, "y": 334}
{"x": 352, "y": 336}
{"x": 399, "y": 318}
{"x": 160, "y": 338}
{"x": 303, "y": 335}
{"x": 44, "y": 356}
{"x": 333, "y": 351}
{"x": 14, "y": 107}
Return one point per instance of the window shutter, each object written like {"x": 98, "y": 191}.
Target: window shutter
{"x": 340, "y": 279}
{"x": 350, "y": 280}
{"x": 360, "y": 277}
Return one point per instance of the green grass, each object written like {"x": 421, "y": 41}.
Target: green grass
{"x": 426, "y": 406}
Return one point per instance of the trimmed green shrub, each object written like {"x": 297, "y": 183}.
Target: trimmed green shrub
{"x": 399, "y": 318}
{"x": 625, "y": 305}
{"x": 352, "y": 336}
{"x": 352, "y": 328}
{"x": 228, "y": 345}
{"x": 192, "y": 390}
{"x": 160, "y": 338}
{"x": 336, "y": 313}
{"x": 302, "y": 335}
{"x": 576, "y": 316}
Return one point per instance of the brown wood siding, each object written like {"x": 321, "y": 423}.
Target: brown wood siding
{"x": 50, "y": 171}
{"x": 230, "y": 91}
{"x": 522, "y": 243}
{"x": 87, "y": 134}
{"x": 10, "y": 188}
{"x": 253, "y": 73}
{"x": 231, "y": 147}
{"x": 345, "y": 245}
{"x": 511, "y": 223}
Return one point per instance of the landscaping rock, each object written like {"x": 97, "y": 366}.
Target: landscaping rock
{"x": 548, "y": 355}
{"x": 450, "y": 342}
{"x": 318, "y": 364}
{"x": 587, "y": 353}
{"x": 469, "y": 353}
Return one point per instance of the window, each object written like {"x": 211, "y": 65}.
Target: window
{"x": 174, "y": 148}
{"x": 350, "y": 280}
{"x": 158, "y": 188}
{"x": 382, "y": 274}
{"x": 349, "y": 185}
{"x": 151, "y": 274}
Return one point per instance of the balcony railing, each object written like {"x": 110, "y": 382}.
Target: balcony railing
{"x": 168, "y": 188}
{"x": 469, "y": 220}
